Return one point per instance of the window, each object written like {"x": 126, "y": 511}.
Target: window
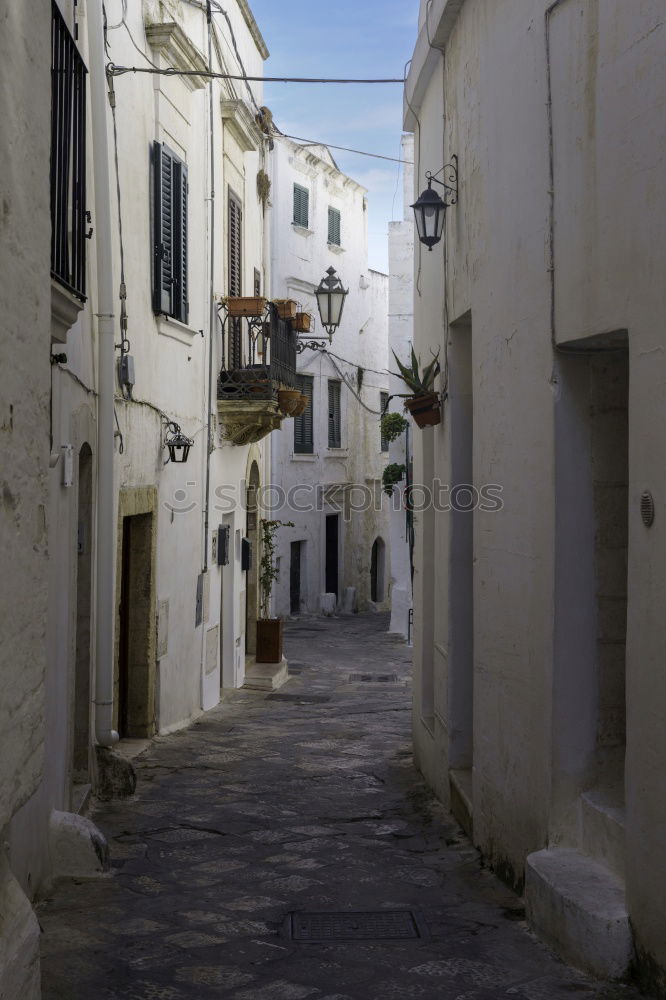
{"x": 301, "y": 199}
{"x": 334, "y": 226}
{"x": 303, "y": 437}
{"x": 68, "y": 159}
{"x": 169, "y": 233}
{"x": 235, "y": 273}
{"x": 383, "y": 403}
{"x": 333, "y": 413}
{"x": 257, "y": 283}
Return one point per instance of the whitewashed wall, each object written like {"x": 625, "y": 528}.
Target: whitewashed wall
{"x": 401, "y": 333}
{"x": 300, "y": 259}
{"x": 525, "y": 748}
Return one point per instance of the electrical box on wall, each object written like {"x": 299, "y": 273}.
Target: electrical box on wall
{"x": 223, "y": 533}
{"x": 246, "y": 554}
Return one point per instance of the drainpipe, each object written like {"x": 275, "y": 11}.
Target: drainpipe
{"x": 212, "y": 318}
{"x": 105, "y": 600}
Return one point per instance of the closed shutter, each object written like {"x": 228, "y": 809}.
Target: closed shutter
{"x": 334, "y": 226}
{"x": 170, "y": 231}
{"x": 235, "y": 275}
{"x": 301, "y": 205}
{"x": 383, "y": 403}
{"x": 333, "y": 413}
{"x": 303, "y": 425}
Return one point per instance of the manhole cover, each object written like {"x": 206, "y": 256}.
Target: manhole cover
{"x": 312, "y": 699}
{"x": 362, "y": 926}
{"x": 374, "y": 678}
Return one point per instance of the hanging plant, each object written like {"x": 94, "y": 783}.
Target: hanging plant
{"x": 393, "y": 425}
{"x": 263, "y": 187}
{"x": 360, "y": 372}
{"x": 391, "y": 475}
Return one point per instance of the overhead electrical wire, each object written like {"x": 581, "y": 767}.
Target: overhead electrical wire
{"x": 346, "y": 149}
{"x": 115, "y": 70}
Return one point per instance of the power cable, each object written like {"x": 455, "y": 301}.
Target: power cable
{"x": 116, "y": 70}
{"x": 346, "y": 149}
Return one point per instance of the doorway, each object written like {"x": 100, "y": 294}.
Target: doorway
{"x": 332, "y": 541}
{"x": 377, "y": 571}
{"x": 295, "y": 578}
{"x": 252, "y": 579}
{"x": 136, "y": 666}
{"x": 82, "y": 690}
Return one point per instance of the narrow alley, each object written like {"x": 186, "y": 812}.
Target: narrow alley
{"x": 303, "y": 801}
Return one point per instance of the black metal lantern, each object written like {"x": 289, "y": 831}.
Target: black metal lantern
{"x": 430, "y": 209}
{"x": 330, "y": 297}
{"x": 177, "y": 443}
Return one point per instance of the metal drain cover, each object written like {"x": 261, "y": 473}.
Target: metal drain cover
{"x": 371, "y": 925}
{"x": 374, "y": 678}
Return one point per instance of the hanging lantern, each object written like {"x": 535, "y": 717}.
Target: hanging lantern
{"x": 430, "y": 209}
{"x": 330, "y": 297}
{"x": 177, "y": 443}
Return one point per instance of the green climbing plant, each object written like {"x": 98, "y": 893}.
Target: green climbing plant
{"x": 391, "y": 475}
{"x": 268, "y": 571}
{"x": 393, "y": 425}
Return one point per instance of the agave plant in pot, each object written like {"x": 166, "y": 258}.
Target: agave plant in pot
{"x": 269, "y": 630}
{"x": 422, "y": 401}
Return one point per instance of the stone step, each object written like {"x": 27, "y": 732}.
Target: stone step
{"x": 577, "y": 906}
{"x": 602, "y": 826}
{"x": 265, "y": 676}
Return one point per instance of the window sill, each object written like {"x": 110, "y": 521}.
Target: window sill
{"x": 65, "y": 309}
{"x": 301, "y": 230}
{"x": 335, "y": 248}
{"x": 337, "y": 453}
{"x": 173, "y": 328}
{"x": 303, "y": 456}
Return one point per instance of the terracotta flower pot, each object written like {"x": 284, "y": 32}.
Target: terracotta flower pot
{"x": 246, "y": 305}
{"x": 301, "y": 322}
{"x": 302, "y": 405}
{"x": 269, "y": 640}
{"x": 288, "y": 401}
{"x": 425, "y": 409}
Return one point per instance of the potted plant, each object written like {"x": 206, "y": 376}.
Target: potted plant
{"x": 393, "y": 425}
{"x": 422, "y": 401}
{"x": 245, "y": 305}
{"x": 391, "y": 475}
{"x": 286, "y": 308}
{"x": 288, "y": 401}
{"x": 269, "y": 630}
{"x": 301, "y": 322}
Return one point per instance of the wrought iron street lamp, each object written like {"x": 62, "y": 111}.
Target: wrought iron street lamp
{"x": 430, "y": 209}
{"x": 330, "y": 297}
{"x": 177, "y": 443}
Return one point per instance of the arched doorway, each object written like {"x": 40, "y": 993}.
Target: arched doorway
{"x": 82, "y": 693}
{"x": 377, "y": 571}
{"x": 252, "y": 582}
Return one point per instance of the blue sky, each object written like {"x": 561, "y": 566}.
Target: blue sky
{"x": 346, "y": 38}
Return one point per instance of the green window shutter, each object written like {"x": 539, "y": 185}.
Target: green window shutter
{"x": 301, "y": 205}
{"x": 334, "y": 437}
{"x": 334, "y": 226}
{"x": 303, "y": 425}
{"x": 383, "y": 403}
{"x": 170, "y": 230}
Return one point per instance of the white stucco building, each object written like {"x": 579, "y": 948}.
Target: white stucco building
{"x": 401, "y": 335}
{"x": 539, "y": 692}
{"x": 127, "y": 608}
{"x": 328, "y": 463}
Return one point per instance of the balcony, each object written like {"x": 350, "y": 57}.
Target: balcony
{"x": 258, "y": 360}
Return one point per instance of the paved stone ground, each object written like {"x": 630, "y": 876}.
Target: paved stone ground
{"x": 303, "y": 800}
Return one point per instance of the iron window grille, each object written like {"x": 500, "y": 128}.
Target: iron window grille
{"x": 301, "y": 206}
{"x": 68, "y": 159}
{"x": 303, "y": 425}
{"x": 170, "y": 250}
{"x": 334, "y": 227}
{"x": 383, "y": 403}
{"x": 334, "y": 437}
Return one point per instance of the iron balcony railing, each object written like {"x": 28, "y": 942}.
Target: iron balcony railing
{"x": 68, "y": 159}
{"x": 258, "y": 356}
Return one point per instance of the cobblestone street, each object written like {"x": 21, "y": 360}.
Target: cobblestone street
{"x": 302, "y": 800}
